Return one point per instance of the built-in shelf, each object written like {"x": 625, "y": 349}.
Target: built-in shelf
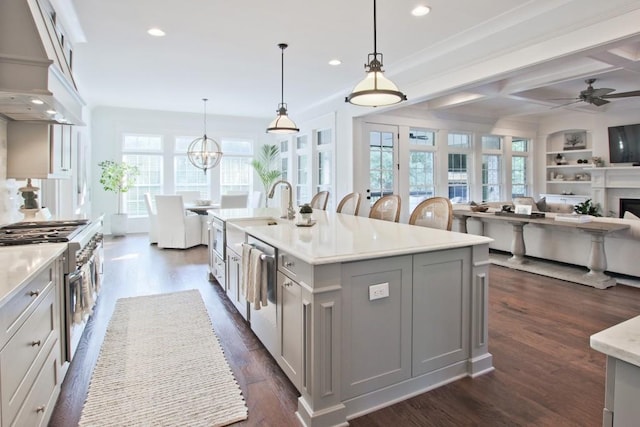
{"x": 568, "y": 181}
{"x": 570, "y": 151}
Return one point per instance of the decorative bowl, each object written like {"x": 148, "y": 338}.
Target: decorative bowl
{"x": 203, "y": 202}
{"x": 479, "y": 208}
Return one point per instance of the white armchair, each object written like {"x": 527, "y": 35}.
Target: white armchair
{"x": 153, "y": 219}
{"x": 176, "y": 229}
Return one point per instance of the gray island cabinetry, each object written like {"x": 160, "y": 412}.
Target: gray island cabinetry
{"x": 372, "y": 312}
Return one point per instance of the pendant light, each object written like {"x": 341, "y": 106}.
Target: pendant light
{"x": 282, "y": 124}
{"x": 204, "y": 153}
{"x": 375, "y": 90}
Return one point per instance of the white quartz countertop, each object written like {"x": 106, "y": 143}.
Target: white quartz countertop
{"x": 621, "y": 341}
{"x": 246, "y": 213}
{"x": 21, "y": 263}
{"x": 340, "y": 238}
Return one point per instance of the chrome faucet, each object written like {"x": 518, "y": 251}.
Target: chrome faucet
{"x": 291, "y": 213}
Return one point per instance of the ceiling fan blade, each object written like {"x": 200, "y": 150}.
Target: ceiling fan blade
{"x": 563, "y": 99}
{"x": 601, "y": 91}
{"x": 564, "y": 105}
{"x": 622, "y": 94}
{"x": 598, "y": 101}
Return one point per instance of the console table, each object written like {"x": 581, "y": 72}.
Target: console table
{"x": 597, "y": 262}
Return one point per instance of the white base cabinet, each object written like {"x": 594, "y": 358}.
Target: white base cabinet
{"x": 31, "y": 353}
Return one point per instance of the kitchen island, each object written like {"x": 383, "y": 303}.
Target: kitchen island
{"x": 371, "y": 312}
{"x": 621, "y": 344}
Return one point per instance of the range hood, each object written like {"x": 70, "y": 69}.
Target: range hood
{"x": 36, "y": 82}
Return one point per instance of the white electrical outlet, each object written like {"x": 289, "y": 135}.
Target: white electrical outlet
{"x": 378, "y": 291}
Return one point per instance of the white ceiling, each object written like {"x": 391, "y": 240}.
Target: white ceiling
{"x": 490, "y": 58}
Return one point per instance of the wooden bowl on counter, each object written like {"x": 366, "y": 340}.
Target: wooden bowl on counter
{"x": 479, "y": 208}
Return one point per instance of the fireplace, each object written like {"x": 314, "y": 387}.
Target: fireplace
{"x": 629, "y": 205}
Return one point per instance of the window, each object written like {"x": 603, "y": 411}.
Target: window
{"x": 458, "y": 166}
{"x": 491, "y": 177}
{"x": 186, "y": 175}
{"x": 145, "y": 152}
{"x": 519, "y": 160}
{"x": 422, "y": 183}
{"x": 303, "y": 169}
{"x": 284, "y": 160}
{"x": 422, "y": 137}
{"x": 491, "y": 168}
{"x": 235, "y": 166}
{"x": 324, "y": 147}
{"x": 380, "y": 164}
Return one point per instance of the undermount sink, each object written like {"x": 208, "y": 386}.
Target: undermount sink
{"x": 253, "y": 222}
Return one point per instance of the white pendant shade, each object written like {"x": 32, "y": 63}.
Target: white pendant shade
{"x": 375, "y": 90}
{"x": 282, "y": 124}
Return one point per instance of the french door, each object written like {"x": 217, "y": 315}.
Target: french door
{"x": 383, "y": 161}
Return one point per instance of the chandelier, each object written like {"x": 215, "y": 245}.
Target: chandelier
{"x": 204, "y": 152}
{"x": 282, "y": 124}
{"x": 375, "y": 90}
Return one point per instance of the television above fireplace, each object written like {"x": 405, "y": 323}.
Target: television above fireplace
{"x": 624, "y": 144}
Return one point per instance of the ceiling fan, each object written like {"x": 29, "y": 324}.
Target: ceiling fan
{"x": 599, "y": 96}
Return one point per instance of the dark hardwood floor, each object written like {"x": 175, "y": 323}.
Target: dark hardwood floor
{"x": 546, "y": 374}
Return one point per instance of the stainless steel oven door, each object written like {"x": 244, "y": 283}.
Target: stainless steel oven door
{"x": 73, "y": 312}
{"x": 218, "y": 236}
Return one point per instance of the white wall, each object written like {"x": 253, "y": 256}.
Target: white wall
{"x": 108, "y": 124}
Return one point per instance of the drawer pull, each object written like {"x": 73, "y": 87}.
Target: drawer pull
{"x": 35, "y": 343}
{"x": 40, "y": 408}
{"x": 287, "y": 284}
{"x": 34, "y": 293}
{"x": 289, "y": 264}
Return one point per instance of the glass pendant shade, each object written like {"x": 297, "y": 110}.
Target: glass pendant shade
{"x": 204, "y": 152}
{"x": 282, "y": 124}
{"x": 375, "y": 90}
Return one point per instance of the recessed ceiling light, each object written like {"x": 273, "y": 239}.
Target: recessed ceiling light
{"x": 335, "y": 62}
{"x": 420, "y": 10}
{"x": 37, "y": 101}
{"x": 157, "y": 32}
{"x": 52, "y": 112}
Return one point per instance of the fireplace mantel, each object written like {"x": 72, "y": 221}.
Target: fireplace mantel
{"x": 609, "y": 184}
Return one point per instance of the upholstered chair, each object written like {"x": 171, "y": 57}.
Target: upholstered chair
{"x": 435, "y": 212}
{"x": 175, "y": 228}
{"x": 153, "y": 219}
{"x": 319, "y": 201}
{"x": 350, "y": 204}
{"x": 386, "y": 208}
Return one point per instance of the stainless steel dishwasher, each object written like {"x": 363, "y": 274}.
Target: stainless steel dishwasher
{"x": 264, "y": 321}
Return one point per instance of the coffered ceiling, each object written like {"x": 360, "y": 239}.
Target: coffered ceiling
{"x": 485, "y": 58}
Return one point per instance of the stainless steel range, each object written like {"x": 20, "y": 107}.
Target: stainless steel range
{"x": 82, "y": 266}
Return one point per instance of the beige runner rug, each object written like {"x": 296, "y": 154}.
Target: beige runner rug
{"x": 161, "y": 365}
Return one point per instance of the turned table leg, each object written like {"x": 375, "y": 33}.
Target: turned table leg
{"x": 462, "y": 223}
{"x": 518, "y": 249}
{"x": 598, "y": 261}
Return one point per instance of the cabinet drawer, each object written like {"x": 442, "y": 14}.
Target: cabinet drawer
{"x": 22, "y": 357}
{"x": 15, "y": 312}
{"x": 40, "y": 401}
{"x": 294, "y": 267}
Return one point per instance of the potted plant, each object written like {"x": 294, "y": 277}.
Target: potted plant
{"x": 264, "y": 166}
{"x": 587, "y": 208}
{"x": 118, "y": 177}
